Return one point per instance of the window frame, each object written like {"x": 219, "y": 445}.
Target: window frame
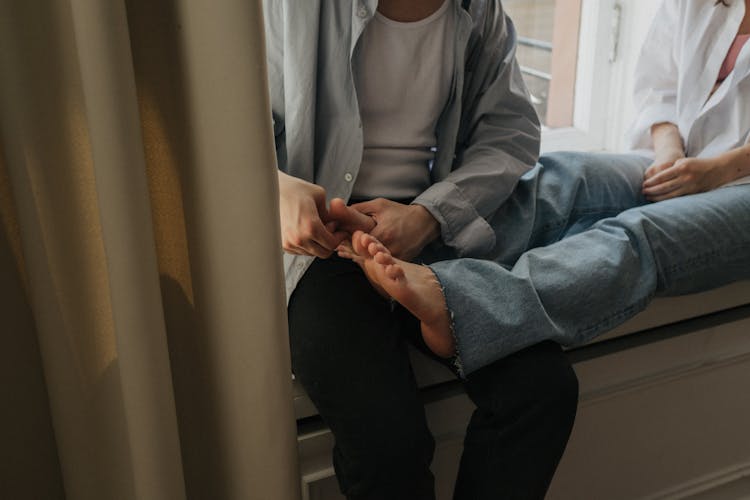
{"x": 597, "y": 42}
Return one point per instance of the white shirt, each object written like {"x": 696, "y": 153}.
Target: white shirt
{"x": 677, "y": 70}
{"x": 403, "y": 74}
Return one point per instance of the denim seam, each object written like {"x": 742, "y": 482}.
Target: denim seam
{"x": 456, "y": 358}
{"x": 616, "y": 317}
{"x": 688, "y": 265}
{"x": 639, "y": 304}
{"x": 680, "y": 266}
{"x": 577, "y": 214}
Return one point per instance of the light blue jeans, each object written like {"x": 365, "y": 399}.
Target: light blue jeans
{"x": 579, "y": 251}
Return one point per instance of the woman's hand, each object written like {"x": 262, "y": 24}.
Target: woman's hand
{"x": 682, "y": 177}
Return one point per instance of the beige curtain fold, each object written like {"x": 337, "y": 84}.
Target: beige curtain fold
{"x": 146, "y": 351}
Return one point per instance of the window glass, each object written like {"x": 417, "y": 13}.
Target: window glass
{"x": 547, "y": 52}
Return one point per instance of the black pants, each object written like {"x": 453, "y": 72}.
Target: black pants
{"x": 349, "y": 351}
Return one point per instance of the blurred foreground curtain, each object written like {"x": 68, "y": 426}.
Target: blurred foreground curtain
{"x": 144, "y": 350}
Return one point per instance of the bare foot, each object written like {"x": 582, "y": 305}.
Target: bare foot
{"x": 348, "y": 219}
{"x": 413, "y": 286}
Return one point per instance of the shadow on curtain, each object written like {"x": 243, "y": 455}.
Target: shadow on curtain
{"x": 145, "y": 351}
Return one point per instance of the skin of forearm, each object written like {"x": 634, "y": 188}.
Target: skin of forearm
{"x": 735, "y": 163}
{"x": 430, "y": 225}
{"x": 666, "y": 138}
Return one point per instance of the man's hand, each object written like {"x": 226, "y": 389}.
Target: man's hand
{"x": 303, "y": 212}
{"x": 342, "y": 218}
{"x": 404, "y": 229}
{"x": 684, "y": 176}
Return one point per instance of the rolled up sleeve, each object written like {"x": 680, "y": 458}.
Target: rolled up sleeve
{"x": 498, "y": 143}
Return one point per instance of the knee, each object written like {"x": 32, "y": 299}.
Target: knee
{"x": 597, "y": 172}
{"x": 571, "y": 167}
{"x": 539, "y": 379}
{"x": 635, "y": 229}
{"x": 573, "y": 176}
{"x": 556, "y": 390}
{"x": 552, "y": 387}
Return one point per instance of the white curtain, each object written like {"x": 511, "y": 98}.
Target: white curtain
{"x": 144, "y": 352}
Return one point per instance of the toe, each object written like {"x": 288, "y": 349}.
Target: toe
{"x": 358, "y": 243}
{"x": 384, "y": 258}
{"x": 374, "y": 248}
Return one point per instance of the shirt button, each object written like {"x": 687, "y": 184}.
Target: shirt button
{"x": 362, "y": 12}
{"x": 348, "y": 177}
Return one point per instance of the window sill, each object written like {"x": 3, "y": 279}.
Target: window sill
{"x": 569, "y": 139}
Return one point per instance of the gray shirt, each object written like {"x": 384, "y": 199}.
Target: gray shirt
{"x": 487, "y": 134}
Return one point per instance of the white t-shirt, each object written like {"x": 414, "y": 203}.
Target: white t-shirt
{"x": 403, "y": 74}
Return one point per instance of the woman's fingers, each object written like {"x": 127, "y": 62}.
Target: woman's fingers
{"x": 661, "y": 176}
{"x": 663, "y": 188}
{"x": 657, "y": 168}
{"x": 682, "y": 191}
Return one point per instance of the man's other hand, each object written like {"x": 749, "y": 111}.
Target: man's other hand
{"x": 404, "y": 229}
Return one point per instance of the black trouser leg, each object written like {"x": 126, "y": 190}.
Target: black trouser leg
{"x": 349, "y": 353}
{"x": 526, "y": 405}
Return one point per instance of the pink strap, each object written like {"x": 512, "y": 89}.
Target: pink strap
{"x": 731, "y": 59}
